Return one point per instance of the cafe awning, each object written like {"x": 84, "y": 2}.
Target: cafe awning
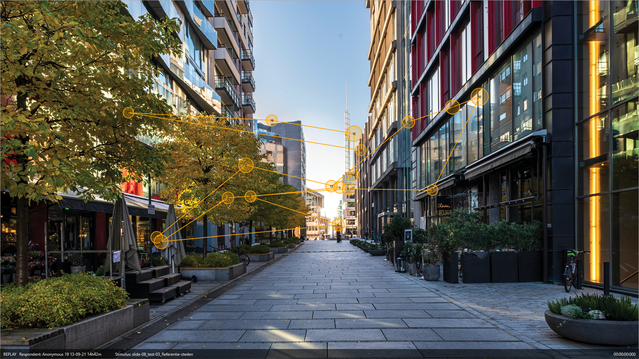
{"x": 137, "y": 206}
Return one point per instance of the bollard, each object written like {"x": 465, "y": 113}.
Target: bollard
{"x": 580, "y": 274}
{"x": 606, "y": 276}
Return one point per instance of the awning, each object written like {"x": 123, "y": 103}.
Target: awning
{"x": 137, "y": 206}
{"x": 499, "y": 160}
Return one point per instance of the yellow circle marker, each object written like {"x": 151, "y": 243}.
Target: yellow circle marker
{"x": 432, "y": 190}
{"x": 330, "y": 186}
{"x": 250, "y": 196}
{"x": 338, "y": 224}
{"x": 228, "y": 197}
{"x": 349, "y": 189}
{"x": 128, "y": 112}
{"x": 408, "y": 122}
{"x": 245, "y": 165}
{"x": 360, "y": 150}
{"x": 452, "y": 107}
{"x": 479, "y": 96}
{"x": 271, "y": 120}
{"x": 163, "y": 243}
{"x": 339, "y": 187}
{"x": 156, "y": 237}
{"x": 354, "y": 133}
{"x": 352, "y": 174}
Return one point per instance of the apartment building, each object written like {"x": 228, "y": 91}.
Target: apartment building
{"x": 363, "y": 196}
{"x": 272, "y": 147}
{"x": 316, "y": 225}
{"x": 389, "y": 166}
{"x": 555, "y": 141}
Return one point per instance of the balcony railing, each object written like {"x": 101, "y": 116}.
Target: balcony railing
{"x": 247, "y": 78}
{"x": 208, "y": 35}
{"x": 247, "y": 55}
{"x": 247, "y": 100}
{"x": 226, "y": 84}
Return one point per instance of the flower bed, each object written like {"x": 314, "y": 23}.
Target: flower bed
{"x": 594, "y": 319}
{"x": 216, "y": 266}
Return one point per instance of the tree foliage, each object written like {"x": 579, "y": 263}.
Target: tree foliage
{"x": 395, "y": 229}
{"x": 68, "y": 71}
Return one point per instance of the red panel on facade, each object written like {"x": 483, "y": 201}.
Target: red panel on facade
{"x": 454, "y": 63}
{"x": 477, "y": 38}
{"x": 507, "y": 18}
{"x": 38, "y": 216}
{"x": 537, "y": 3}
{"x": 101, "y": 230}
{"x": 444, "y": 78}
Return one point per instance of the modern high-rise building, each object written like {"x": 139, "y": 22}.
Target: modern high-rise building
{"x": 292, "y": 137}
{"x": 316, "y": 225}
{"x": 389, "y": 166}
{"x": 363, "y": 196}
{"x": 272, "y": 147}
{"x": 555, "y": 140}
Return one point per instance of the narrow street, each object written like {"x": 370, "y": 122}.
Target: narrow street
{"x": 329, "y": 299}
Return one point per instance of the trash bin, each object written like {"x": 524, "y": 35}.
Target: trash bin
{"x": 400, "y": 265}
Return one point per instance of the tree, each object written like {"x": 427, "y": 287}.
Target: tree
{"x": 68, "y": 71}
{"x": 394, "y": 231}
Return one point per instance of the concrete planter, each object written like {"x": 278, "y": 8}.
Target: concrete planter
{"x": 476, "y": 267}
{"x": 530, "y": 266}
{"x": 261, "y": 257}
{"x": 297, "y": 242}
{"x": 412, "y": 269}
{"x": 219, "y": 274}
{"x": 279, "y": 250}
{"x": 605, "y": 332}
{"x": 503, "y": 267}
{"x": 86, "y": 334}
{"x": 377, "y": 252}
{"x": 290, "y": 246}
{"x": 451, "y": 271}
{"x": 431, "y": 272}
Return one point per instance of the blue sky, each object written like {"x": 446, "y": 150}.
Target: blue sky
{"x": 305, "y": 52}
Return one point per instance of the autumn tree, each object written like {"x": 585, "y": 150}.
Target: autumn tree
{"x": 68, "y": 71}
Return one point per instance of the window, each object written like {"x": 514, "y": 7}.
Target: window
{"x": 522, "y": 92}
{"x": 593, "y": 155}
{"x": 195, "y": 48}
{"x": 434, "y": 165}
{"x": 473, "y": 132}
{"x": 458, "y": 158}
{"x": 465, "y": 55}
{"x": 433, "y": 104}
{"x": 625, "y": 146}
{"x": 536, "y": 79}
{"x": 500, "y": 108}
{"x": 626, "y": 51}
{"x": 444, "y": 149}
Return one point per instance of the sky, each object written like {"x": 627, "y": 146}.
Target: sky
{"x": 305, "y": 54}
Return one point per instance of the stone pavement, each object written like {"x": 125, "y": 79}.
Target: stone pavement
{"x": 333, "y": 300}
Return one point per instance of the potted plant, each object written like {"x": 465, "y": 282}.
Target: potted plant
{"x": 431, "y": 257}
{"x": 77, "y": 263}
{"x": 595, "y": 319}
{"x": 393, "y": 234}
{"x": 447, "y": 245}
{"x": 503, "y": 263}
{"x": 529, "y": 254}
{"x": 478, "y": 239}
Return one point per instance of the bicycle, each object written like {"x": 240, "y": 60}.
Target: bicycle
{"x": 570, "y": 271}
{"x": 244, "y": 258}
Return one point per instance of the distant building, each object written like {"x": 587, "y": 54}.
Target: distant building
{"x": 316, "y": 225}
{"x": 272, "y": 148}
{"x": 292, "y": 134}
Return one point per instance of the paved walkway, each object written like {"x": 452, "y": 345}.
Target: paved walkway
{"x": 333, "y": 300}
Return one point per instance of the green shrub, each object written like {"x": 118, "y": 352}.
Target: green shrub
{"x": 289, "y": 241}
{"x": 233, "y": 257}
{"x": 259, "y": 249}
{"x": 158, "y": 260}
{"x": 613, "y": 308}
{"x": 192, "y": 261}
{"x": 216, "y": 260}
{"x": 277, "y": 244}
{"x": 572, "y": 311}
{"x": 58, "y": 301}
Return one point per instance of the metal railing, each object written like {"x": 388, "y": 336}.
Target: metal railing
{"x": 226, "y": 83}
{"x": 247, "y": 77}
{"x": 247, "y": 100}
{"x": 248, "y": 55}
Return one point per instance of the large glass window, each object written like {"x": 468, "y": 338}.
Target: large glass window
{"x": 434, "y": 161}
{"x": 433, "y": 95}
{"x": 593, "y": 155}
{"x": 594, "y": 65}
{"x": 474, "y": 136}
{"x": 625, "y": 81}
{"x": 466, "y": 54}
{"x": 625, "y": 147}
{"x": 444, "y": 150}
{"x": 536, "y": 79}
{"x": 459, "y": 141}
{"x": 501, "y": 107}
{"x": 522, "y": 92}
{"x": 624, "y": 239}
{"x": 593, "y": 235}
{"x": 195, "y": 47}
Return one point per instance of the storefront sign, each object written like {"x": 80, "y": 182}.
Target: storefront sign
{"x": 443, "y": 205}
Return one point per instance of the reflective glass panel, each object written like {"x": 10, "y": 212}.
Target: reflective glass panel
{"x": 624, "y": 239}
{"x": 625, "y": 147}
{"x": 593, "y": 156}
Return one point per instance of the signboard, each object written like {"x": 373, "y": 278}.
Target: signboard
{"x": 408, "y": 235}
{"x": 443, "y": 205}
{"x": 116, "y": 256}
{"x": 151, "y": 209}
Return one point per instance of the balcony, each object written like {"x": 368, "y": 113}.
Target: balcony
{"x": 224, "y": 87}
{"x": 193, "y": 84}
{"x": 202, "y": 26}
{"x": 248, "y": 61}
{"x": 243, "y": 6}
{"x": 248, "y": 104}
{"x": 248, "y": 82}
{"x": 224, "y": 28}
{"x": 225, "y": 61}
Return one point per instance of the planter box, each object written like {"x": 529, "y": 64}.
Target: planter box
{"x": 279, "y": 250}
{"x": 476, "y": 267}
{"x": 377, "y": 252}
{"x": 451, "y": 271}
{"x": 86, "y": 334}
{"x": 297, "y": 242}
{"x": 218, "y": 274}
{"x": 412, "y": 268}
{"x": 431, "y": 272}
{"x": 261, "y": 257}
{"x": 606, "y": 332}
{"x": 503, "y": 267}
{"x": 530, "y": 266}
{"x": 290, "y": 246}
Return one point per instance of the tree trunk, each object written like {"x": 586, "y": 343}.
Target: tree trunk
{"x": 22, "y": 241}
{"x": 220, "y": 236}
{"x": 250, "y": 233}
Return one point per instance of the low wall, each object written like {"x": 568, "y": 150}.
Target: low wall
{"x": 86, "y": 334}
{"x": 279, "y": 250}
{"x": 261, "y": 257}
{"x": 218, "y": 274}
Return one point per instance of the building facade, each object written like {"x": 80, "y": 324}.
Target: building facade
{"x": 317, "y": 223}
{"x": 292, "y": 137}
{"x": 555, "y": 140}
{"x": 389, "y": 164}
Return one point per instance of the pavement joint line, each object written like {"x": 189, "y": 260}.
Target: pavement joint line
{"x": 184, "y": 306}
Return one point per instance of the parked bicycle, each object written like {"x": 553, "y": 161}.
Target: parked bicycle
{"x": 244, "y": 258}
{"x": 571, "y": 273}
